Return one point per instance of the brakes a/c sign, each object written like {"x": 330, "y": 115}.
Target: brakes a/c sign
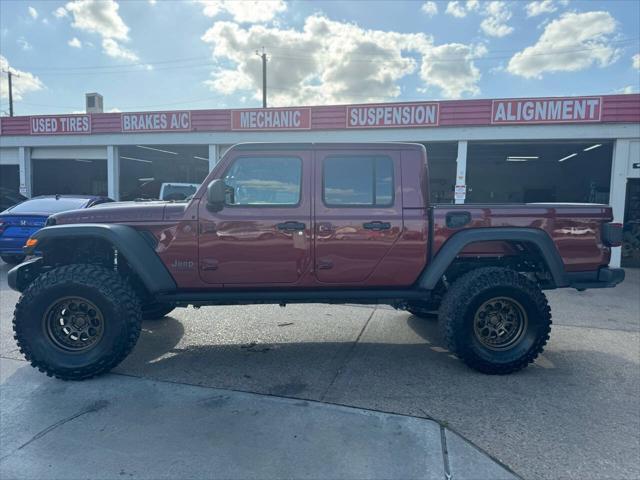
{"x": 60, "y": 124}
{"x": 547, "y": 110}
{"x": 398, "y": 115}
{"x": 271, "y": 119}
{"x": 156, "y": 121}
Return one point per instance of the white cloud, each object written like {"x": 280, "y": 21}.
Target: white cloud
{"x": 497, "y": 14}
{"x": 450, "y": 67}
{"x": 573, "y": 42}
{"x": 75, "y": 43}
{"x": 24, "y": 45}
{"x": 635, "y": 61}
{"x": 456, "y": 9}
{"x": 334, "y": 62}
{"x": 99, "y": 17}
{"x": 115, "y": 50}
{"x": 540, "y": 7}
{"x": 430, "y": 8}
{"x": 472, "y": 4}
{"x": 33, "y": 12}
{"x": 114, "y": 110}
{"x": 627, "y": 89}
{"x": 22, "y": 82}
{"x": 153, "y": 2}
{"x": 248, "y": 11}
{"x": 60, "y": 12}
{"x": 102, "y": 17}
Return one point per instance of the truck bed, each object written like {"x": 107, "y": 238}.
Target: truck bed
{"x": 574, "y": 227}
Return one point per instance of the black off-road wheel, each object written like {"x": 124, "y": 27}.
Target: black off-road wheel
{"x": 157, "y": 310}
{"x": 13, "y": 259}
{"x": 495, "y": 320}
{"x": 77, "y": 321}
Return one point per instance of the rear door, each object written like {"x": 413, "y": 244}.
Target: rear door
{"x": 262, "y": 236}
{"x": 358, "y": 211}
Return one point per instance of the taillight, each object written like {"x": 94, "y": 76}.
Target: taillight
{"x": 612, "y": 234}
{"x": 2, "y": 227}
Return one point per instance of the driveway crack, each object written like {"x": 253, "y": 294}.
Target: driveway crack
{"x": 92, "y": 408}
{"x": 347, "y": 357}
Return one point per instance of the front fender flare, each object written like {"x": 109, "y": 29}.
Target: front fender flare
{"x": 452, "y": 247}
{"x": 140, "y": 255}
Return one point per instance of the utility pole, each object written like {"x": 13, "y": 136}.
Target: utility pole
{"x": 263, "y": 55}
{"x": 9, "y": 74}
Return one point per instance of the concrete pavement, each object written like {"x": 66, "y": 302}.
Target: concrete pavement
{"x": 574, "y": 414}
{"x": 118, "y": 426}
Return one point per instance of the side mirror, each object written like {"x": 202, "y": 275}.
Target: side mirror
{"x": 216, "y": 195}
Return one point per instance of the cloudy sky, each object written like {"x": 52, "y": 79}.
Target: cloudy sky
{"x": 155, "y": 54}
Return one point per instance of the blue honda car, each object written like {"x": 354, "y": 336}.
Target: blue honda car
{"x": 19, "y": 222}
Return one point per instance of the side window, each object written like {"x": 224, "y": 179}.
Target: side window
{"x": 358, "y": 181}
{"x": 264, "y": 181}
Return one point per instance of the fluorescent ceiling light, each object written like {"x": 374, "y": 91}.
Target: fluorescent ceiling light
{"x": 592, "y": 147}
{"x": 136, "y": 159}
{"x": 567, "y": 157}
{"x": 200, "y": 158}
{"x": 83, "y": 161}
{"x": 157, "y": 149}
{"x": 509, "y": 159}
{"x": 522, "y": 157}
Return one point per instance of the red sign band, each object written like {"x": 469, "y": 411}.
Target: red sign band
{"x": 547, "y": 110}
{"x": 271, "y": 119}
{"x": 394, "y": 116}
{"x": 60, "y": 124}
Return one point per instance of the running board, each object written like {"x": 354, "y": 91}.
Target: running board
{"x": 282, "y": 297}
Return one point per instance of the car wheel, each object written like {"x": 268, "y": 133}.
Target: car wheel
{"x": 77, "y": 321}
{"x": 495, "y": 320}
{"x": 13, "y": 259}
{"x": 156, "y": 311}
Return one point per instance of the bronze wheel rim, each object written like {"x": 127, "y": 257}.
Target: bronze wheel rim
{"x": 500, "y": 323}
{"x": 74, "y": 324}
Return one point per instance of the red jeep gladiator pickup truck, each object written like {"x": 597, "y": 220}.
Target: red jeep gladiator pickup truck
{"x": 308, "y": 223}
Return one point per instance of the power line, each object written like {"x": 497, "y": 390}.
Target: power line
{"x": 354, "y": 57}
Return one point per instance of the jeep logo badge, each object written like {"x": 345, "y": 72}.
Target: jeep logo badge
{"x": 182, "y": 264}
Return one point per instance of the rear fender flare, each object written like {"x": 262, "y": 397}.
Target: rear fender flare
{"x": 130, "y": 243}
{"x": 452, "y": 247}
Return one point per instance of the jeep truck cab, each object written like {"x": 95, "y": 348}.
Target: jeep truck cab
{"x": 308, "y": 223}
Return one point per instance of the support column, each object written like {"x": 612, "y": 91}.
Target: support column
{"x": 461, "y": 173}
{"x": 113, "y": 172}
{"x": 618, "y": 190}
{"x": 26, "y": 177}
{"x": 213, "y": 156}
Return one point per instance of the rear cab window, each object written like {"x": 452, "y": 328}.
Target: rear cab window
{"x": 358, "y": 181}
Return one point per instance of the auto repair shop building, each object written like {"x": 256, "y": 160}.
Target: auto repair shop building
{"x": 570, "y": 149}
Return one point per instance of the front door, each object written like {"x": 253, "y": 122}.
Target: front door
{"x": 358, "y": 209}
{"x": 262, "y": 236}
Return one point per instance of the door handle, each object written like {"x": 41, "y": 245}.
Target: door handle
{"x": 291, "y": 226}
{"x": 377, "y": 225}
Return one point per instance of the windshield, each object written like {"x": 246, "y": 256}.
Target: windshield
{"x": 178, "y": 192}
{"x": 49, "y": 205}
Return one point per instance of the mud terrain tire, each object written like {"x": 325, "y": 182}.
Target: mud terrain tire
{"x": 72, "y": 298}
{"x": 477, "y": 317}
